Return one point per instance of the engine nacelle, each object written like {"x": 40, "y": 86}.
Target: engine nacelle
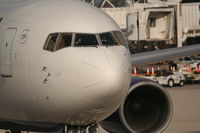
{"x": 146, "y": 109}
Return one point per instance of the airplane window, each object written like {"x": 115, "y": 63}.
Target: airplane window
{"x": 85, "y": 40}
{"x": 51, "y": 42}
{"x": 65, "y": 40}
{"x": 120, "y": 38}
{"x": 108, "y": 39}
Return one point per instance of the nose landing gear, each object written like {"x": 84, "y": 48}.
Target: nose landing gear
{"x": 82, "y": 129}
{"x": 93, "y": 129}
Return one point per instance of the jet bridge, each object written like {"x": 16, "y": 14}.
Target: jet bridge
{"x": 155, "y": 24}
{"x": 150, "y": 26}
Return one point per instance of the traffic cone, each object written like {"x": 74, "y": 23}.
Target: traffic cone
{"x": 174, "y": 69}
{"x": 188, "y": 68}
{"x": 152, "y": 71}
{"x": 148, "y": 73}
{"x": 135, "y": 72}
{"x": 198, "y": 68}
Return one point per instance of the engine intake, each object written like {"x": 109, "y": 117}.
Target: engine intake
{"x": 146, "y": 109}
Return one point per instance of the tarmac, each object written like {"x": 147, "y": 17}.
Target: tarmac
{"x": 186, "y": 102}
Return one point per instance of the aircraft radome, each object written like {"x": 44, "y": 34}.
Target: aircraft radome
{"x": 66, "y": 65}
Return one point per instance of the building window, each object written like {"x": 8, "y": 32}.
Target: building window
{"x": 152, "y": 22}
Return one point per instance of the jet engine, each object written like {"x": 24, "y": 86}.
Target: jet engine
{"x": 146, "y": 109}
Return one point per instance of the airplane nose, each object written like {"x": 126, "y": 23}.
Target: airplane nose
{"x": 105, "y": 76}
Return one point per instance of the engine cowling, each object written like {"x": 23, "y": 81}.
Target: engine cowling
{"x": 146, "y": 109}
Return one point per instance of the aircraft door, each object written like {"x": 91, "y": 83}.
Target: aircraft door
{"x": 6, "y": 52}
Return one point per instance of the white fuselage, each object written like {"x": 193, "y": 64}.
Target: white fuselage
{"x": 72, "y": 85}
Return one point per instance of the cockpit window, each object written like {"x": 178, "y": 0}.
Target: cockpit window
{"x": 51, "y": 42}
{"x": 56, "y": 41}
{"x": 120, "y": 38}
{"x": 108, "y": 39}
{"x": 85, "y": 40}
{"x": 65, "y": 40}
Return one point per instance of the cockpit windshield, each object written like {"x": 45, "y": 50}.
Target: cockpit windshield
{"x": 57, "y": 41}
{"x": 113, "y": 38}
{"x": 64, "y": 40}
{"x": 108, "y": 39}
{"x": 85, "y": 40}
{"x": 120, "y": 38}
{"x": 51, "y": 42}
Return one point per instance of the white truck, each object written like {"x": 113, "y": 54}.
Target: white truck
{"x": 171, "y": 78}
{"x": 168, "y": 78}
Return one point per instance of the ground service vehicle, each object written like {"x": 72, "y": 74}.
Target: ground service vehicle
{"x": 171, "y": 78}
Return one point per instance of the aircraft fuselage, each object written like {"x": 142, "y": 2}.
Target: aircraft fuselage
{"x": 45, "y": 80}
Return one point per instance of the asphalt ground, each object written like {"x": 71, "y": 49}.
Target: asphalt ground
{"x": 186, "y": 109}
{"x": 186, "y": 103}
